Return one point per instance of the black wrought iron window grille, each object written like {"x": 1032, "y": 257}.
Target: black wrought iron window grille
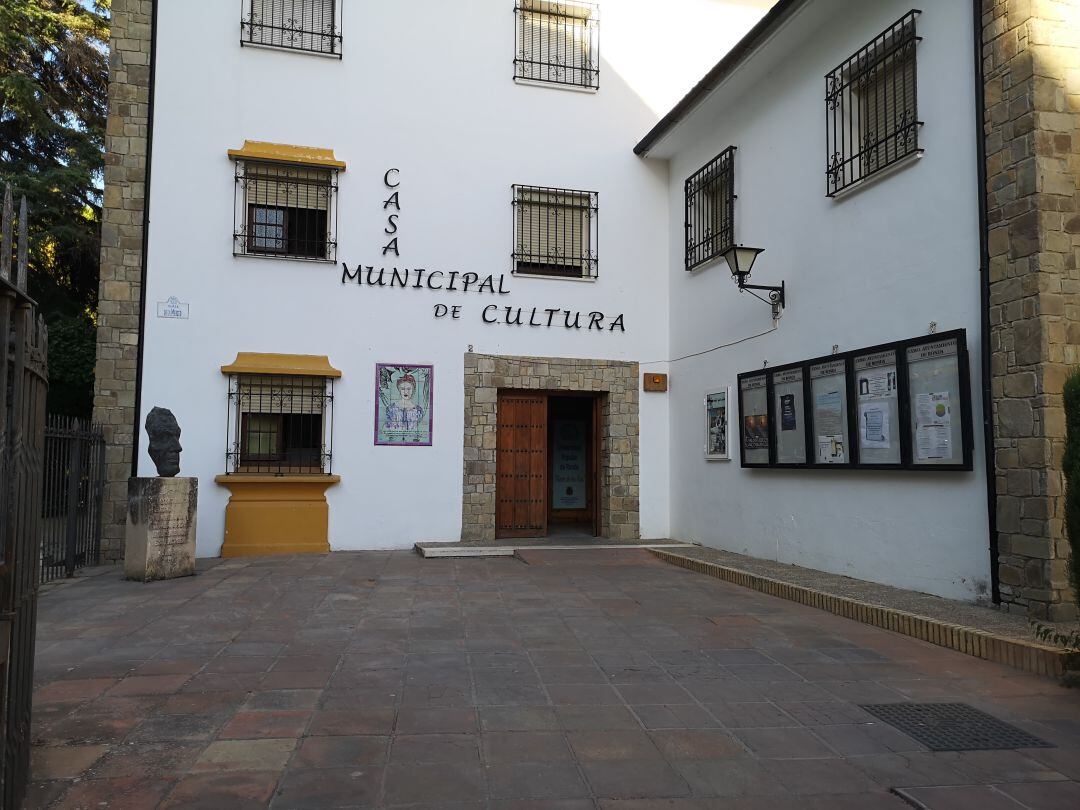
{"x": 280, "y": 425}
{"x": 313, "y": 26}
{"x": 871, "y": 107}
{"x": 710, "y": 209}
{"x": 555, "y": 232}
{"x": 285, "y": 211}
{"x": 557, "y": 42}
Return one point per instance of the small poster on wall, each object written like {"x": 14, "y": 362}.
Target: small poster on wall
{"x": 403, "y": 398}
{"x": 716, "y": 426}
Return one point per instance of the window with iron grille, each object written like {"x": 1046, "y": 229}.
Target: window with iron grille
{"x": 871, "y": 107}
{"x": 555, "y": 232}
{"x": 710, "y": 209}
{"x": 285, "y": 211}
{"x": 300, "y": 25}
{"x": 280, "y": 424}
{"x": 557, "y": 42}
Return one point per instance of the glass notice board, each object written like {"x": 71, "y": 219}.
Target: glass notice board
{"x": 789, "y": 414}
{"x": 828, "y": 398}
{"x": 902, "y": 405}
{"x": 934, "y": 401}
{"x": 878, "y": 412}
{"x": 754, "y": 423}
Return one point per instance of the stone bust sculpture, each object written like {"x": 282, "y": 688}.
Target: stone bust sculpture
{"x": 164, "y": 447}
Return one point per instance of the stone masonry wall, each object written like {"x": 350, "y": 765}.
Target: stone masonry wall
{"x": 1031, "y": 60}
{"x": 620, "y": 481}
{"x": 121, "y": 255}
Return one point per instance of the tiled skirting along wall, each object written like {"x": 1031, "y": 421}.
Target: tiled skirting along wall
{"x": 485, "y": 375}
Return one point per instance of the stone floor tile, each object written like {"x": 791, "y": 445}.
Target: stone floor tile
{"x": 180, "y": 666}
{"x": 524, "y": 746}
{"x": 652, "y": 693}
{"x": 595, "y": 718}
{"x": 245, "y": 755}
{"x": 149, "y": 760}
{"x": 807, "y": 777}
{"x": 678, "y": 717}
{"x": 359, "y": 698}
{"x": 541, "y": 804}
{"x": 691, "y": 744}
{"x": 913, "y": 769}
{"x": 536, "y": 780}
{"x": 513, "y": 695}
{"x": 149, "y": 685}
{"x": 967, "y": 797}
{"x": 584, "y": 695}
{"x": 421, "y": 748}
{"x": 63, "y": 762}
{"x": 518, "y": 718}
{"x": 203, "y": 703}
{"x": 279, "y": 699}
{"x": 73, "y": 691}
{"x": 739, "y": 775}
{"x": 630, "y": 779}
{"x": 349, "y": 723}
{"x": 571, "y": 675}
{"x": 261, "y": 725}
{"x": 215, "y": 791}
{"x": 341, "y": 752}
{"x": 122, "y": 793}
{"x": 870, "y": 738}
{"x": 1005, "y": 766}
{"x": 1043, "y": 794}
{"x": 756, "y": 714}
{"x": 176, "y": 727}
{"x": 292, "y": 679}
{"x": 414, "y": 784}
{"x": 315, "y": 789}
{"x": 783, "y": 742}
{"x": 411, "y": 720}
{"x": 612, "y": 745}
{"x": 228, "y": 664}
{"x": 40, "y": 795}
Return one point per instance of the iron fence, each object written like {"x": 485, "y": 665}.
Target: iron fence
{"x": 23, "y": 385}
{"x": 74, "y": 482}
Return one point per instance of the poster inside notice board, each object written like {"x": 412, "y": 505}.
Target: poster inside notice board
{"x": 878, "y": 404}
{"x": 754, "y": 409}
{"x": 936, "y": 420}
{"x": 789, "y": 411}
{"x": 828, "y": 393}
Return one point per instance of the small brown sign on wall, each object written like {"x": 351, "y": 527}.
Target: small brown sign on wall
{"x": 655, "y": 382}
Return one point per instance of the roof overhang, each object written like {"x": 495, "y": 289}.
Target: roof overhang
{"x": 761, "y": 33}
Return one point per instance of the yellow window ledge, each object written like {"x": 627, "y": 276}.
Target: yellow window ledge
{"x": 286, "y": 153}
{"x": 292, "y": 365}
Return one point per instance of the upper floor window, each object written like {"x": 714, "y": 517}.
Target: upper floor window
{"x": 555, "y": 232}
{"x": 710, "y": 209}
{"x": 558, "y": 42}
{"x": 871, "y": 107}
{"x": 280, "y": 414}
{"x": 302, "y": 25}
{"x": 285, "y": 209}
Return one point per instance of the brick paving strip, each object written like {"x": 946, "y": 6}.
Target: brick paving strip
{"x": 572, "y": 680}
{"x": 973, "y": 629}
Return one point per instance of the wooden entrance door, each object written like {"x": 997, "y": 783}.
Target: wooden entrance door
{"x": 521, "y": 465}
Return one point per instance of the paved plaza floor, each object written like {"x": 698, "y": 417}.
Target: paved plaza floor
{"x": 566, "y": 679}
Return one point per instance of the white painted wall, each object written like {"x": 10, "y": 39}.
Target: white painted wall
{"x": 876, "y": 266}
{"x": 426, "y": 88}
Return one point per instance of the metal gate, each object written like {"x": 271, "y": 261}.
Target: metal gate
{"x": 23, "y": 385}
{"x": 74, "y": 481}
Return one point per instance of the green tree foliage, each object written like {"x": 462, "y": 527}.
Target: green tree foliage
{"x": 1071, "y": 466}
{"x": 53, "y": 105}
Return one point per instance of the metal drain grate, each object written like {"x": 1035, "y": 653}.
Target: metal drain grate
{"x": 953, "y": 727}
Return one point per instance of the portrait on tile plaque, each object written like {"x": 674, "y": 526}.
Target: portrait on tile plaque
{"x": 403, "y": 400}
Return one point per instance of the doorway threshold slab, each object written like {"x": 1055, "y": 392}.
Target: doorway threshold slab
{"x": 509, "y": 548}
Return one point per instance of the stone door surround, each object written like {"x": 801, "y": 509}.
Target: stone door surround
{"x": 619, "y": 482}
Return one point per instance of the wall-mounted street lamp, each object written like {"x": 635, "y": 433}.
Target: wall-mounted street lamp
{"x": 740, "y": 261}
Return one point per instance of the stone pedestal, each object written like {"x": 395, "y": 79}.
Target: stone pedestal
{"x": 160, "y": 537}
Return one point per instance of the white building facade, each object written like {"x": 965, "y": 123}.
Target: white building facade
{"x": 416, "y": 276}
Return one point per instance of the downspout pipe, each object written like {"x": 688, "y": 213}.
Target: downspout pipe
{"x": 984, "y": 294}
{"x": 137, "y": 430}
